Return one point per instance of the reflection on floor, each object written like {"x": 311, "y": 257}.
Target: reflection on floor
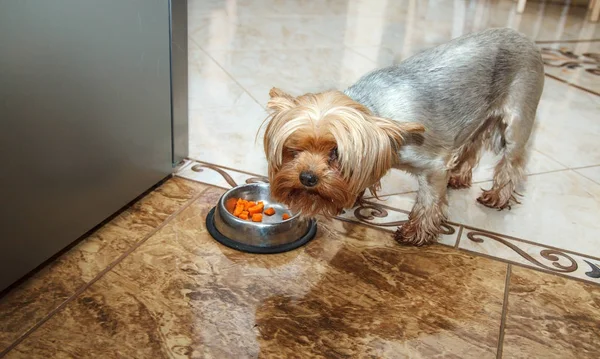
{"x": 523, "y": 283}
{"x": 351, "y": 292}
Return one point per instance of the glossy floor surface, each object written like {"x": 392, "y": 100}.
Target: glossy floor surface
{"x": 240, "y": 49}
{"x": 152, "y": 283}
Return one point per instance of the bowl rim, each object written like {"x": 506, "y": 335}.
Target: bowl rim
{"x": 251, "y": 248}
{"x": 230, "y": 216}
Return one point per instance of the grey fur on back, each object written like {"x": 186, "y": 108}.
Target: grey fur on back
{"x": 456, "y": 88}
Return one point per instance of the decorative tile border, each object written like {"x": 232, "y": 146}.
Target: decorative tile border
{"x": 529, "y": 254}
{"x": 589, "y": 62}
{"x": 577, "y": 70}
{"x": 216, "y": 175}
{"x": 375, "y": 213}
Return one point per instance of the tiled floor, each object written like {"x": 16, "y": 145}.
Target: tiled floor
{"x": 27, "y": 305}
{"x": 479, "y": 230}
{"x": 524, "y": 283}
{"x": 243, "y": 48}
{"x": 168, "y": 290}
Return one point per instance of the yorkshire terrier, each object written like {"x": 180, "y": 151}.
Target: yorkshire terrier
{"x": 430, "y": 115}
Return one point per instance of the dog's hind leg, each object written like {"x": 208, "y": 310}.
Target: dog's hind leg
{"x": 517, "y": 123}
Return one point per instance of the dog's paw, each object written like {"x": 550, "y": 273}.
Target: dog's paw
{"x": 411, "y": 234}
{"x": 459, "y": 182}
{"x": 494, "y": 198}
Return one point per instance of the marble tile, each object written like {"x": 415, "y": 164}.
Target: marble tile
{"x": 529, "y": 254}
{"x": 396, "y": 182}
{"x": 201, "y": 9}
{"x": 571, "y": 142}
{"x": 209, "y": 86}
{"x": 386, "y": 56}
{"x": 558, "y": 209}
{"x": 221, "y": 32}
{"x": 592, "y": 173}
{"x": 294, "y": 71}
{"x": 351, "y": 292}
{"x": 399, "y": 182}
{"x": 228, "y": 136}
{"x": 551, "y": 317}
{"x": 24, "y": 306}
{"x": 537, "y": 163}
{"x": 541, "y": 20}
{"x": 220, "y": 107}
{"x": 384, "y": 31}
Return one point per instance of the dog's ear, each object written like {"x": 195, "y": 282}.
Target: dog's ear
{"x": 398, "y": 131}
{"x": 280, "y": 100}
{"x": 275, "y": 92}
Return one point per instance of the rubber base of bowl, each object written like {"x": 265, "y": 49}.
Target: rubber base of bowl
{"x": 210, "y": 226}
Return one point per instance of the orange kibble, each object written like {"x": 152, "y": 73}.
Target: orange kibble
{"x": 256, "y": 209}
{"x": 269, "y": 211}
{"x": 239, "y": 208}
{"x": 249, "y": 204}
{"x": 243, "y": 215}
{"x": 285, "y": 216}
{"x": 257, "y": 217}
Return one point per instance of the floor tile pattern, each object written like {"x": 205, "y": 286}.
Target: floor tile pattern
{"x": 389, "y": 212}
{"x": 351, "y": 292}
{"x": 46, "y": 290}
{"x": 551, "y": 317}
{"x": 523, "y": 283}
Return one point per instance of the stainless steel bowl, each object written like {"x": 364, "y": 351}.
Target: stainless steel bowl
{"x": 272, "y": 235}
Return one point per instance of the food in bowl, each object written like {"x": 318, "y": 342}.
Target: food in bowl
{"x": 269, "y": 211}
{"x": 253, "y": 211}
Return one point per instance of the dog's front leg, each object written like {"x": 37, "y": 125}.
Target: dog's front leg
{"x": 425, "y": 221}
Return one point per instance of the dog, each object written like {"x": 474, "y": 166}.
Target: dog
{"x": 431, "y": 115}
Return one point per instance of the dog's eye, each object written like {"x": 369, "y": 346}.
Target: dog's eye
{"x": 293, "y": 153}
{"x": 333, "y": 155}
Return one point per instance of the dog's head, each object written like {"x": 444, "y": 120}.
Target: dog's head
{"x": 324, "y": 149}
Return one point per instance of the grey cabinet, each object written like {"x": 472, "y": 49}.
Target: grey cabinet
{"x": 86, "y": 118}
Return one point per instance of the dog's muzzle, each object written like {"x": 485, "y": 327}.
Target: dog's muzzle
{"x": 308, "y": 178}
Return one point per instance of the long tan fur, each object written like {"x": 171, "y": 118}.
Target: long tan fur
{"x": 366, "y": 145}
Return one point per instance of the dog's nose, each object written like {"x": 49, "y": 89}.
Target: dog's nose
{"x": 308, "y": 178}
